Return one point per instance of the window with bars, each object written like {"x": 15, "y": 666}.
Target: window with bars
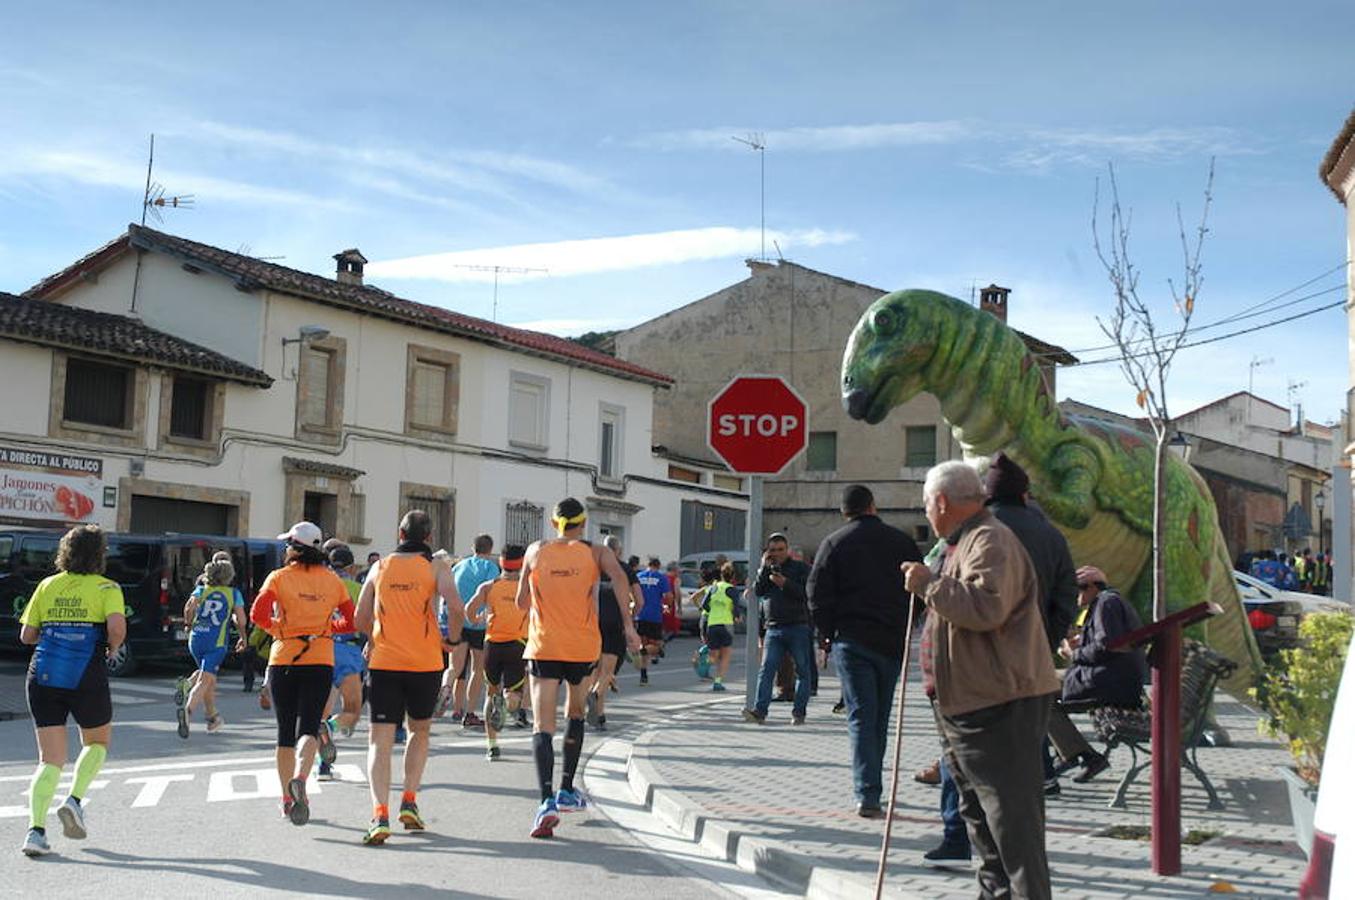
{"x": 523, "y": 523}
{"x": 920, "y": 446}
{"x": 98, "y": 394}
{"x": 190, "y": 409}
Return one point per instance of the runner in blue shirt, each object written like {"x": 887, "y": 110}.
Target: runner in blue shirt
{"x": 655, "y": 588}
{"x": 465, "y": 675}
{"x": 208, "y": 612}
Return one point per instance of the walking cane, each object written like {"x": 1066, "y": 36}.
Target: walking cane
{"x": 898, "y": 748}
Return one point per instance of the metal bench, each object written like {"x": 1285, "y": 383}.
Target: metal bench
{"x": 1201, "y": 671}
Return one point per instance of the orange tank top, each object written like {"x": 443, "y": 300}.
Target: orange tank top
{"x": 405, "y": 636}
{"x": 506, "y": 621}
{"x": 564, "y": 622}
{"x": 304, "y": 599}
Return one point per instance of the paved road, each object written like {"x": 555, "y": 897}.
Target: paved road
{"x": 200, "y": 816}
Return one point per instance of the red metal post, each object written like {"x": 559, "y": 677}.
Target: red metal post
{"x": 1167, "y": 751}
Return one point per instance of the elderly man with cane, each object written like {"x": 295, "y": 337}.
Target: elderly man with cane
{"x": 990, "y": 661}
{"x": 857, "y": 599}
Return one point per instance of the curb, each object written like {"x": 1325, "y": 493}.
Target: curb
{"x": 725, "y": 840}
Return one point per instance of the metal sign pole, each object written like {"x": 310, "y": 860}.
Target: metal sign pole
{"x": 751, "y": 657}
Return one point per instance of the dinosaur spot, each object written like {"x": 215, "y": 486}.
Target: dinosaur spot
{"x": 1206, "y": 568}
{"x": 1129, "y": 441}
{"x": 1026, "y": 363}
{"x": 1193, "y": 527}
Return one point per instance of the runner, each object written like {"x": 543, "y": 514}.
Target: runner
{"x": 559, "y": 586}
{"x": 611, "y": 624}
{"x": 184, "y": 685}
{"x": 505, "y": 639}
{"x": 467, "y": 663}
{"x": 718, "y": 605}
{"x": 208, "y": 612}
{"x": 75, "y": 618}
{"x": 349, "y": 668}
{"x": 398, "y": 609}
{"x": 296, "y": 606}
{"x": 672, "y": 604}
{"x": 649, "y": 616}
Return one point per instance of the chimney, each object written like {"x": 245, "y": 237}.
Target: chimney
{"x": 350, "y": 263}
{"x": 993, "y": 299}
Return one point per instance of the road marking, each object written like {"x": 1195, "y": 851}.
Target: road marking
{"x": 14, "y": 812}
{"x": 153, "y": 788}
{"x": 164, "y": 767}
{"x": 222, "y": 785}
{"x": 122, "y": 699}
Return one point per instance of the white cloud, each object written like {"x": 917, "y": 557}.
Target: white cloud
{"x": 813, "y": 139}
{"x": 592, "y": 255}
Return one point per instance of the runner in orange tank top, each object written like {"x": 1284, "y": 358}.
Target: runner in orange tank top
{"x": 559, "y": 587}
{"x": 505, "y": 640}
{"x": 398, "y": 608}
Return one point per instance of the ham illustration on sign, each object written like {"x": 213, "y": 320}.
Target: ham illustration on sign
{"x": 757, "y": 424}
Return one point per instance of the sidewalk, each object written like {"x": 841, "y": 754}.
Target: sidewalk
{"x": 778, "y": 799}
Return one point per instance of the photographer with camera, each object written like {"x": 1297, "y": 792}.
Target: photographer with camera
{"x": 780, "y": 587}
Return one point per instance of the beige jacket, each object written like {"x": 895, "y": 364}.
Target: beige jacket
{"x": 986, "y": 630}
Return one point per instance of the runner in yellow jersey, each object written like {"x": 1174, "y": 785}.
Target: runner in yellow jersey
{"x": 559, "y": 587}
{"x": 505, "y": 641}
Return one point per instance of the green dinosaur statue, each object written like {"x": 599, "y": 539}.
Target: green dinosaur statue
{"x": 1094, "y": 479}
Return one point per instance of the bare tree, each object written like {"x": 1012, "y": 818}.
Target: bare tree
{"x": 1147, "y": 349}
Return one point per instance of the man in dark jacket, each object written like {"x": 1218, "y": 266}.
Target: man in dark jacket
{"x": 780, "y": 586}
{"x": 1095, "y": 672}
{"x": 858, "y": 601}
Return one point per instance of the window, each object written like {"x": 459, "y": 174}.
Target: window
{"x": 323, "y": 510}
{"x": 357, "y": 518}
{"x": 727, "y": 482}
{"x": 821, "y": 455}
{"x": 528, "y": 401}
{"x": 680, "y": 473}
{"x": 35, "y": 558}
{"x": 98, "y": 394}
{"x": 190, "y": 413}
{"x": 609, "y": 441}
{"x": 432, "y": 390}
{"x": 438, "y": 503}
{"x": 316, "y": 379}
{"x": 920, "y": 443}
{"x": 523, "y": 523}
{"x": 6, "y": 550}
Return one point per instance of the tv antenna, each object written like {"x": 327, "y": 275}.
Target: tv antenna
{"x": 248, "y": 250}
{"x": 511, "y": 270}
{"x": 756, "y": 140}
{"x": 1294, "y": 388}
{"x": 154, "y": 199}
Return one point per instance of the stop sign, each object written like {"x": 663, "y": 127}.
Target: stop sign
{"x": 757, "y": 424}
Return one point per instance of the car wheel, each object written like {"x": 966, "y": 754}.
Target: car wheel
{"x": 121, "y": 663}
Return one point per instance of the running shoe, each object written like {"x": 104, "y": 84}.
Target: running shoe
{"x": 336, "y": 726}
{"x": 400, "y": 734}
{"x": 547, "y": 817}
{"x": 328, "y": 752}
{"x": 570, "y": 801}
{"x": 377, "y": 833}
{"x": 755, "y": 717}
{"x": 325, "y": 772}
{"x": 840, "y": 708}
{"x": 457, "y": 715}
{"x": 602, "y": 723}
{"x": 72, "y": 818}
{"x": 493, "y": 753}
{"x": 181, "y": 715}
{"x": 300, "y": 810}
{"x": 591, "y": 710}
{"x": 495, "y": 711}
{"x": 522, "y": 718}
{"x": 215, "y": 723}
{"x": 180, "y": 691}
{"x": 444, "y": 701}
{"x": 718, "y": 687}
{"x": 472, "y": 722}
{"x": 36, "y": 843}
{"x": 644, "y": 677}
{"x": 797, "y": 720}
{"x": 410, "y": 818}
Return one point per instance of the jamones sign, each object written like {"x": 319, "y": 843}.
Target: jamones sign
{"x": 757, "y": 424}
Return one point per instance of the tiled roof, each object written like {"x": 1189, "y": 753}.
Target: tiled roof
{"x": 316, "y": 467}
{"x": 249, "y": 273}
{"x": 1339, "y": 159}
{"x": 121, "y": 337}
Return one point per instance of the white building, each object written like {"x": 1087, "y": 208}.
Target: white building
{"x": 222, "y": 394}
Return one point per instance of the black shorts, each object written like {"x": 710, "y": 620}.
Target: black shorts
{"x": 89, "y": 703}
{"x": 397, "y": 694}
{"x": 299, "y": 696}
{"x": 614, "y": 642}
{"x": 719, "y": 637}
{"x": 475, "y": 637}
{"x": 504, "y": 664}
{"x": 572, "y": 672}
{"x": 650, "y": 631}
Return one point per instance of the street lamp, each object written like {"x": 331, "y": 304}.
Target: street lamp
{"x": 1180, "y": 447}
{"x": 1321, "y": 500}
{"x": 307, "y": 334}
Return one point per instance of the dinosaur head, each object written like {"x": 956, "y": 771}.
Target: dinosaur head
{"x": 893, "y": 341}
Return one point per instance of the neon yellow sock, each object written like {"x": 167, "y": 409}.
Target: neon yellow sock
{"x": 41, "y": 792}
{"x": 90, "y": 761}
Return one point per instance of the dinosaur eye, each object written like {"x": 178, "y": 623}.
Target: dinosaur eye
{"x": 882, "y": 321}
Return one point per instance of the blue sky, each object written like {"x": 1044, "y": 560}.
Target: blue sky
{"x": 908, "y": 145}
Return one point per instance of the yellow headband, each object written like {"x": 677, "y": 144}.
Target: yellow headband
{"x": 562, "y": 524}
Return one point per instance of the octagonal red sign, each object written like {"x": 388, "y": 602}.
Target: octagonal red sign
{"x": 757, "y": 424}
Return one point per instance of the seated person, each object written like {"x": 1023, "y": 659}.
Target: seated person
{"x": 1096, "y": 673}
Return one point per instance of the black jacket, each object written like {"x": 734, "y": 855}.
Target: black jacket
{"x": 1114, "y": 677}
{"x": 785, "y": 605}
{"x": 856, "y": 589}
{"x": 1048, "y": 550}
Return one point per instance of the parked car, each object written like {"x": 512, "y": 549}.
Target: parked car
{"x": 694, "y": 561}
{"x": 1275, "y": 614}
{"x": 157, "y": 573}
{"x": 1331, "y": 862}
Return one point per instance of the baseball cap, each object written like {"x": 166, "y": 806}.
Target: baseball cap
{"x": 341, "y": 556}
{"x": 304, "y": 534}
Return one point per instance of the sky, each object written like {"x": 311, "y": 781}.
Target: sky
{"x": 907, "y": 145}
